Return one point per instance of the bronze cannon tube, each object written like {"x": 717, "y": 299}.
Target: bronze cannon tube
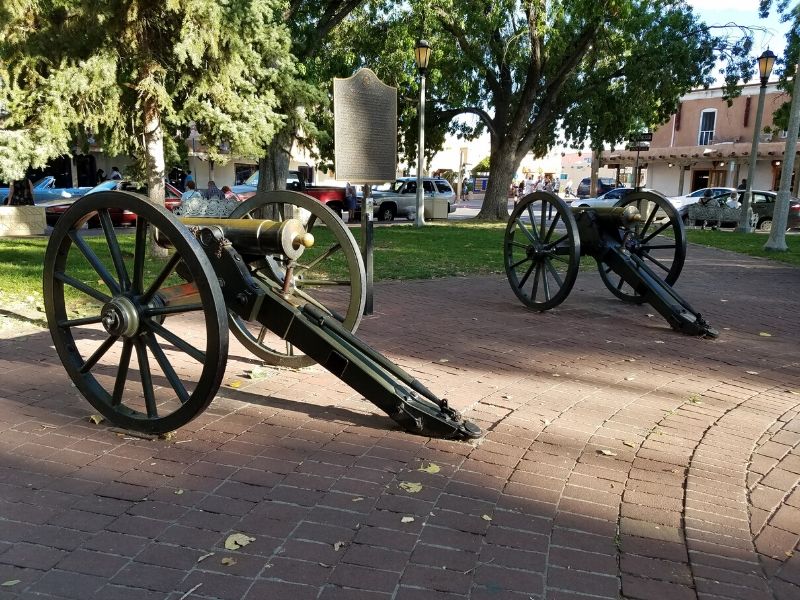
{"x": 254, "y": 236}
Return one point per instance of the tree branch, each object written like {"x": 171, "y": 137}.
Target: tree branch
{"x": 474, "y": 110}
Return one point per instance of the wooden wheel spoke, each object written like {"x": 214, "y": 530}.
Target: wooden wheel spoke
{"x": 97, "y": 354}
{"x": 113, "y": 246}
{"x": 535, "y": 288}
{"x": 527, "y": 274}
{"x": 649, "y": 220}
{"x": 546, "y": 285}
{"x": 146, "y": 378}
{"x": 94, "y": 261}
{"x": 554, "y": 272}
{"x": 543, "y": 221}
{"x": 176, "y": 341}
{"x": 553, "y": 245}
{"x": 324, "y": 256}
{"x": 519, "y": 262}
{"x": 529, "y": 233}
{"x": 166, "y": 367}
{"x": 82, "y": 287}
{"x": 80, "y": 322}
{"x": 518, "y": 244}
{"x": 656, "y": 232}
{"x": 139, "y": 253}
{"x": 553, "y": 227}
{"x": 656, "y": 262}
{"x": 166, "y": 271}
{"x": 122, "y": 372}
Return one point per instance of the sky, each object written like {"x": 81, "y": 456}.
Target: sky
{"x": 719, "y": 12}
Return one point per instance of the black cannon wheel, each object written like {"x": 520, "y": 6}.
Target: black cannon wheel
{"x": 659, "y": 239}
{"x": 105, "y": 298}
{"x": 542, "y": 250}
{"x": 330, "y": 274}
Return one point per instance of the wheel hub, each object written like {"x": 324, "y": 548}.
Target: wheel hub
{"x": 120, "y": 317}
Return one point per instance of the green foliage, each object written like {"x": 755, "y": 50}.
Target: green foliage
{"x": 594, "y": 70}
{"x": 109, "y": 67}
{"x": 483, "y": 166}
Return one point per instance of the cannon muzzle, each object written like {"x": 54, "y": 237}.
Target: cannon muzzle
{"x": 254, "y": 236}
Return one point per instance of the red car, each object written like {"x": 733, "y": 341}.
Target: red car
{"x": 119, "y": 217}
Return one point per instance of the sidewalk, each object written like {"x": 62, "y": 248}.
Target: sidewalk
{"x": 620, "y": 459}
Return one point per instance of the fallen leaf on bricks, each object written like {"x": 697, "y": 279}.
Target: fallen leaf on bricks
{"x": 764, "y": 334}
{"x": 339, "y": 545}
{"x": 507, "y": 396}
{"x": 205, "y": 556}
{"x": 651, "y": 315}
{"x": 443, "y": 360}
{"x": 752, "y": 372}
{"x": 258, "y": 373}
{"x": 237, "y": 540}
{"x": 431, "y": 468}
{"x": 228, "y": 561}
{"x": 629, "y": 444}
{"x": 10, "y": 582}
{"x": 178, "y": 492}
{"x": 556, "y": 375}
{"x": 359, "y": 499}
{"x": 167, "y": 436}
{"x": 629, "y": 378}
{"x": 407, "y": 520}
{"x": 546, "y": 422}
{"x": 96, "y": 419}
{"x": 659, "y": 342}
{"x": 606, "y": 452}
{"x": 411, "y": 487}
{"x": 486, "y": 517}
{"x": 235, "y": 384}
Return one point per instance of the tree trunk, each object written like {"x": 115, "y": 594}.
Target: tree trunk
{"x": 154, "y": 159}
{"x": 501, "y": 175}
{"x": 154, "y": 151}
{"x": 273, "y": 169}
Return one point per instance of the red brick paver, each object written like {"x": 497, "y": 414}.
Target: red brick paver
{"x": 620, "y": 460}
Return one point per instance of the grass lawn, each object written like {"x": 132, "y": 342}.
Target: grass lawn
{"x": 751, "y": 244}
{"x": 401, "y": 252}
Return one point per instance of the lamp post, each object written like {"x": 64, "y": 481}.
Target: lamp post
{"x": 765, "y": 63}
{"x": 422, "y": 52}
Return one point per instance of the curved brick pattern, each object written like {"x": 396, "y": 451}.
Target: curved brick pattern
{"x": 620, "y": 459}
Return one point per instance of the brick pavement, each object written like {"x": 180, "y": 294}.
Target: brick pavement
{"x": 620, "y": 460}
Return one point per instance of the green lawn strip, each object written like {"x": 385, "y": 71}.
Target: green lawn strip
{"x": 751, "y": 244}
{"x": 401, "y": 252}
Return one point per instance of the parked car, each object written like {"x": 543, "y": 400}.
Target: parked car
{"x": 45, "y": 190}
{"x": 681, "y": 202}
{"x": 119, "y": 217}
{"x": 400, "y": 200}
{"x": 610, "y": 198}
{"x": 332, "y": 196}
{"x": 763, "y": 204}
{"x": 604, "y": 185}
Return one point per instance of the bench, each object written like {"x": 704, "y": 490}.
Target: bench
{"x": 716, "y": 214}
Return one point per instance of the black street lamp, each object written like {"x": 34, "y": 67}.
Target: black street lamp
{"x": 422, "y": 54}
{"x": 765, "y": 63}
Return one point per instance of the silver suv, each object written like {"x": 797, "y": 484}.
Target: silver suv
{"x": 400, "y": 199}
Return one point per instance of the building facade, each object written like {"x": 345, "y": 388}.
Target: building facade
{"x": 708, "y": 143}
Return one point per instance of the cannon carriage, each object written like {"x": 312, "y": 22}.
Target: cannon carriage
{"x": 145, "y": 340}
{"x": 639, "y": 246}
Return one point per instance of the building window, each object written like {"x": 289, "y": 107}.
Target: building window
{"x": 708, "y": 119}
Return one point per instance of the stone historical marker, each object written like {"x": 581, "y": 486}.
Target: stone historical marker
{"x": 365, "y": 129}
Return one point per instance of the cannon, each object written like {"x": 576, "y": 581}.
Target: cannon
{"x": 639, "y": 246}
{"x": 144, "y": 336}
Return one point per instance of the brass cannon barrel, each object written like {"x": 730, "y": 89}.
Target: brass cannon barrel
{"x": 615, "y": 215}
{"x": 254, "y": 236}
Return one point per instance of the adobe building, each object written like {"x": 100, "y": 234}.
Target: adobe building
{"x": 707, "y": 143}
